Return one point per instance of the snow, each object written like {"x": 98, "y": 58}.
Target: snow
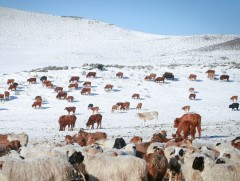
{"x": 33, "y": 40}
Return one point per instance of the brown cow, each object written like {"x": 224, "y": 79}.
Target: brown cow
{"x": 38, "y": 99}
{"x": 135, "y": 96}
{"x": 108, "y": 87}
{"x": 139, "y": 106}
{"x": 147, "y": 78}
{"x": 91, "y": 74}
{"x": 195, "y": 118}
{"x": 86, "y": 91}
{"x": 153, "y": 76}
{"x": 224, "y": 77}
{"x": 70, "y": 109}
{"x": 58, "y": 89}
{"x": 10, "y": 81}
{"x": 61, "y": 95}
{"x": 211, "y": 74}
{"x": 70, "y": 98}
{"x": 32, "y": 80}
{"x": 74, "y": 78}
{"x": 13, "y": 87}
{"x": 187, "y": 127}
{"x": 186, "y": 108}
{"x": 2, "y": 97}
{"x": 159, "y": 80}
{"x": 96, "y": 118}
{"x": 87, "y": 84}
{"x": 36, "y": 103}
{"x": 192, "y": 96}
{"x": 6, "y": 95}
{"x": 94, "y": 109}
{"x": 192, "y": 77}
{"x": 46, "y": 83}
{"x": 114, "y": 108}
{"x": 136, "y": 140}
{"x": 119, "y": 75}
{"x": 191, "y": 90}
{"x": 67, "y": 120}
{"x": 75, "y": 86}
{"x": 234, "y": 98}
{"x": 125, "y": 106}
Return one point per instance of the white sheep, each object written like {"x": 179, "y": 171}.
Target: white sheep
{"x": 22, "y": 137}
{"x": 129, "y": 149}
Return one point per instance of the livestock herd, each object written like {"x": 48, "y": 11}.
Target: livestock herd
{"x": 95, "y": 156}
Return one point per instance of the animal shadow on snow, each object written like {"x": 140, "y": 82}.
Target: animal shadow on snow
{"x": 44, "y": 108}
{"x": 12, "y": 98}
{"x": 198, "y": 80}
{"x": 3, "y": 109}
{"x": 116, "y": 90}
{"x": 195, "y": 99}
{"x": 94, "y": 94}
{"x": 125, "y": 77}
{"x": 214, "y": 136}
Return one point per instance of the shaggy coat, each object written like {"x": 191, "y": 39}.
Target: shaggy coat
{"x": 148, "y": 116}
{"x": 97, "y": 118}
{"x": 67, "y": 120}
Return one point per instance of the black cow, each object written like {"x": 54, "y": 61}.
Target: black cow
{"x": 119, "y": 143}
{"x": 234, "y": 106}
{"x": 168, "y": 75}
{"x": 43, "y": 78}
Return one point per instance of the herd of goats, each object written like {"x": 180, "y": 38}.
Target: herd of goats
{"x": 96, "y": 157}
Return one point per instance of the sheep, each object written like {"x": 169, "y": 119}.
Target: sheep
{"x": 122, "y": 168}
{"x": 153, "y": 146}
{"x": 45, "y": 169}
{"x": 129, "y": 149}
{"x": 148, "y": 116}
{"x": 22, "y": 137}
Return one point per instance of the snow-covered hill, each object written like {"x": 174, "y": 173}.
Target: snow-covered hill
{"x": 33, "y": 40}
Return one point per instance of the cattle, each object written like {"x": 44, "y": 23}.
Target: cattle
{"x": 211, "y": 74}
{"x": 139, "y": 106}
{"x": 87, "y": 84}
{"x": 10, "y": 145}
{"x": 186, "y": 108}
{"x": 46, "y": 83}
{"x": 124, "y": 106}
{"x": 192, "y": 96}
{"x": 168, "y": 75}
{"x": 32, "y": 80}
{"x": 70, "y": 98}
{"x": 7, "y": 95}
{"x": 86, "y": 91}
{"x": 135, "y": 96}
{"x": 37, "y": 103}
{"x": 153, "y": 76}
{"x": 74, "y": 78}
{"x": 119, "y": 75}
{"x": 224, "y": 77}
{"x": 61, "y": 95}
{"x": 192, "y": 77}
{"x": 234, "y": 106}
{"x": 95, "y": 109}
{"x": 187, "y": 127}
{"x": 159, "y": 137}
{"x": 114, "y": 108}
{"x": 159, "y": 80}
{"x": 147, "y": 78}
{"x": 136, "y": 139}
{"x": 195, "y": 118}
{"x": 13, "y": 87}
{"x": 2, "y": 97}
{"x": 43, "y": 78}
{"x": 90, "y": 106}
{"x": 67, "y": 120}
{"x": 234, "y": 98}
{"x": 70, "y": 109}
{"x": 10, "y": 81}
{"x": 75, "y": 86}
{"x": 100, "y": 66}
{"x": 91, "y": 74}
{"x": 58, "y": 89}
{"x": 148, "y": 116}
{"x": 108, "y": 87}
{"x": 96, "y": 118}
{"x": 191, "y": 90}
{"x": 38, "y": 99}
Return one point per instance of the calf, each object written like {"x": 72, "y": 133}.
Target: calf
{"x": 70, "y": 98}
{"x": 70, "y": 109}
{"x": 139, "y": 106}
{"x": 224, "y": 77}
{"x": 234, "y": 106}
{"x": 192, "y": 96}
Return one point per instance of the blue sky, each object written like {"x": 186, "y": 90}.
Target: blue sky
{"x": 165, "y": 17}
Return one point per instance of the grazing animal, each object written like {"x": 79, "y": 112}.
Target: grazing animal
{"x": 234, "y": 98}
{"x": 96, "y": 118}
{"x": 37, "y": 103}
{"x": 87, "y": 84}
{"x": 13, "y": 87}
{"x": 139, "y": 106}
{"x": 148, "y": 78}
{"x": 187, "y": 127}
{"x": 67, "y": 120}
{"x": 114, "y": 108}
{"x": 168, "y": 75}
{"x": 224, "y": 77}
{"x": 91, "y": 74}
{"x": 211, "y": 74}
{"x": 159, "y": 80}
{"x": 153, "y": 76}
{"x": 125, "y": 106}
{"x": 70, "y": 109}
{"x": 43, "y": 78}
{"x": 108, "y": 87}
{"x": 47, "y": 83}
{"x": 234, "y": 106}
{"x": 186, "y": 108}
{"x": 75, "y": 86}
{"x": 136, "y": 139}
{"x": 32, "y": 80}
{"x": 135, "y": 96}
{"x": 195, "y": 118}
{"x": 191, "y": 90}
{"x": 61, "y": 95}
{"x": 58, "y": 89}
{"x": 70, "y": 98}
{"x": 119, "y": 143}
{"x": 148, "y": 116}
{"x": 86, "y": 91}
{"x": 95, "y": 109}
{"x": 7, "y": 95}
{"x": 119, "y": 75}
{"x": 74, "y": 78}
{"x": 10, "y": 81}
{"x": 38, "y": 99}
{"x": 2, "y": 97}
{"x": 192, "y": 96}
{"x": 192, "y": 77}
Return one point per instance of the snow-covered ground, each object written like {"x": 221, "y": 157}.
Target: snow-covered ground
{"x": 32, "y": 40}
